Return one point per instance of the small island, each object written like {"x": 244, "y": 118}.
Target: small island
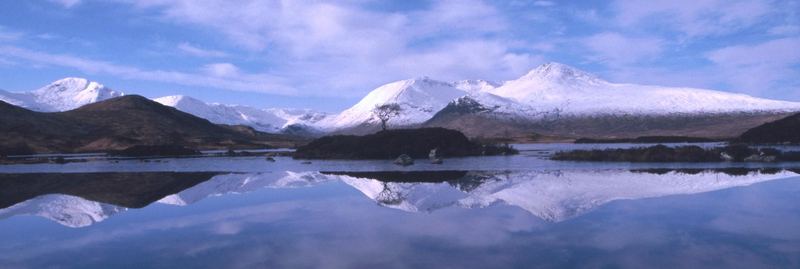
{"x": 744, "y": 148}
{"x": 388, "y": 144}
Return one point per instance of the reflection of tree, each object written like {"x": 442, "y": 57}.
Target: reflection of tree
{"x": 388, "y": 196}
{"x": 386, "y": 112}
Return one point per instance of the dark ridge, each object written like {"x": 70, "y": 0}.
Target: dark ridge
{"x": 132, "y": 190}
{"x": 783, "y": 131}
{"x": 389, "y": 144}
{"x": 155, "y": 150}
{"x": 476, "y": 120}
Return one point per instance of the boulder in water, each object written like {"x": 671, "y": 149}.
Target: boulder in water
{"x": 404, "y": 160}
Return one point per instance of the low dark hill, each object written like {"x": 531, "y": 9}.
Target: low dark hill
{"x": 786, "y": 130}
{"x": 120, "y": 123}
{"x": 417, "y": 143}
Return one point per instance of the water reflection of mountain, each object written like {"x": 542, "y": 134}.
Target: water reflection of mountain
{"x": 78, "y": 200}
{"x": 551, "y": 195}
{"x": 82, "y": 199}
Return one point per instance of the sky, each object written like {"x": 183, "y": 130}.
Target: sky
{"x": 326, "y": 55}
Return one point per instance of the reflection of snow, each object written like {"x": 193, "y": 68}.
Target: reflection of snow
{"x": 553, "y": 196}
{"x": 550, "y": 195}
{"x": 242, "y": 183}
{"x": 67, "y": 210}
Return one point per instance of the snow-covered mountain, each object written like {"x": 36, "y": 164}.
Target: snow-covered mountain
{"x": 61, "y": 95}
{"x": 418, "y": 98}
{"x": 558, "y": 86}
{"x": 548, "y": 89}
{"x": 268, "y": 120}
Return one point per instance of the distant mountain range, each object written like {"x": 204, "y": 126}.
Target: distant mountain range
{"x": 118, "y": 123}
{"x": 553, "y": 99}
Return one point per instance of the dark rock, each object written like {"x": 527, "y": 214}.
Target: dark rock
{"x": 404, "y": 160}
{"x": 786, "y": 130}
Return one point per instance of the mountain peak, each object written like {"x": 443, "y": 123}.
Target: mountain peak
{"x": 178, "y": 100}
{"x": 71, "y": 92}
{"x": 70, "y": 84}
{"x": 559, "y": 71}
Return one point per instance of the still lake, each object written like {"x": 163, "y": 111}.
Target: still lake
{"x": 520, "y": 211}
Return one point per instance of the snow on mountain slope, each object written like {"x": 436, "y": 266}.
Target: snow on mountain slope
{"x": 70, "y": 93}
{"x": 478, "y": 85}
{"x": 419, "y": 99}
{"x": 67, "y": 210}
{"x": 558, "y": 86}
{"x": 267, "y": 120}
{"x": 61, "y": 95}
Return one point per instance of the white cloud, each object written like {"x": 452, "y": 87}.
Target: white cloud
{"x": 195, "y": 51}
{"x": 221, "y": 70}
{"x": 66, "y": 3}
{"x": 223, "y": 79}
{"x": 693, "y": 17}
{"x": 342, "y": 47}
{"x": 614, "y": 49}
{"x": 758, "y": 68}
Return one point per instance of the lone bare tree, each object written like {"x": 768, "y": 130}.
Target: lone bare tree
{"x": 386, "y": 112}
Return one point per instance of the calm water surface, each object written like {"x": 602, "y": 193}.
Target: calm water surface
{"x": 499, "y": 212}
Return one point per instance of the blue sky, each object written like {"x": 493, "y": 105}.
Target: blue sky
{"x": 327, "y": 54}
